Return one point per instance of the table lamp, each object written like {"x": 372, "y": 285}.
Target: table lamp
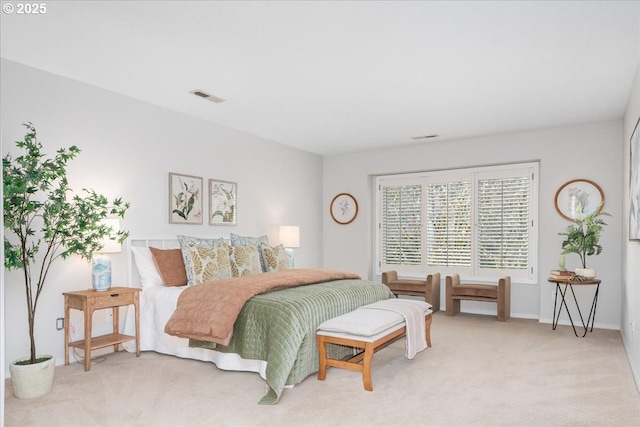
{"x": 101, "y": 266}
{"x": 290, "y": 238}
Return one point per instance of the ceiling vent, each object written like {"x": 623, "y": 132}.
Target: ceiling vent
{"x": 425, "y": 136}
{"x": 208, "y": 97}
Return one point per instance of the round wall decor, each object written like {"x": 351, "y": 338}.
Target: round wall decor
{"x": 344, "y": 208}
{"x": 577, "y": 198}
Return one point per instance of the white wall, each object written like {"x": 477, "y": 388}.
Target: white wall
{"x": 630, "y": 323}
{"x": 128, "y": 149}
{"x": 592, "y": 151}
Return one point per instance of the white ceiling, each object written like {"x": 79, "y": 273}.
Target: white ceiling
{"x": 335, "y": 77}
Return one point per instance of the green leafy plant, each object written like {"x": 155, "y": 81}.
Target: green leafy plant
{"x": 46, "y": 221}
{"x": 583, "y": 236}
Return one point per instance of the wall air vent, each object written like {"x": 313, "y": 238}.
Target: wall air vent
{"x": 208, "y": 97}
{"x": 425, "y": 136}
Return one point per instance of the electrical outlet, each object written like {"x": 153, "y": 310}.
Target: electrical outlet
{"x": 633, "y": 327}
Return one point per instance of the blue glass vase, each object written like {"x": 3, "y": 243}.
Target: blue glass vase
{"x": 101, "y": 273}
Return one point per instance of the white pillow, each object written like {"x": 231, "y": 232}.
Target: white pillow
{"x": 149, "y": 276}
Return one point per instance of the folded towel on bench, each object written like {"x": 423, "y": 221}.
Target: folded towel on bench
{"x": 413, "y": 313}
{"x": 383, "y": 317}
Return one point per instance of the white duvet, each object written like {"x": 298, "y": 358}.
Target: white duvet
{"x": 156, "y": 307}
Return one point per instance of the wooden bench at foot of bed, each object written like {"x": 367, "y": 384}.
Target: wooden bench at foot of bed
{"x": 387, "y": 329}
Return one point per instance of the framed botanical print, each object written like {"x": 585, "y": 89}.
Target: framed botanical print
{"x": 578, "y": 198}
{"x": 223, "y": 198}
{"x": 185, "y": 199}
{"x": 344, "y": 208}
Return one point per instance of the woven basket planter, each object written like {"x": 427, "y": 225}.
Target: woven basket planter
{"x": 31, "y": 381}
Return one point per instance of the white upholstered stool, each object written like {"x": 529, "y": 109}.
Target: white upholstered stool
{"x": 367, "y": 329}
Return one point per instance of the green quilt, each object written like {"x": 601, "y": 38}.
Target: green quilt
{"x": 280, "y": 328}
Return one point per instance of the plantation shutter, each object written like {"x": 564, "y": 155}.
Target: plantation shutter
{"x": 448, "y": 226}
{"x": 477, "y": 222}
{"x": 503, "y": 217}
{"x": 401, "y": 225}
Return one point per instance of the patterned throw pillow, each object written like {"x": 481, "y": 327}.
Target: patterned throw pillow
{"x": 245, "y": 260}
{"x": 210, "y": 263}
{"x": 187, "y": 243}
{"x": 237, "y": 240}
{"x": 276, "y": 258}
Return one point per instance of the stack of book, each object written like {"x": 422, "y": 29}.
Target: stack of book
{"x": 561, "y": 274}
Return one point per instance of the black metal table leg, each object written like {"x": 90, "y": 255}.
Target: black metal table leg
{"x": 558, "y": 309}
{"x": 579, "y": 312}
{"x": 594, "y": 306}
{"x": 556, "y": 314}
{"x": 563, "y": 302}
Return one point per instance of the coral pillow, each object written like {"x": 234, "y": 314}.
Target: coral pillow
{"x": 170, "y": 265}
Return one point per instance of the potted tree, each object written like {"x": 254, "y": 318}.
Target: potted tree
{"x": 44, "y": 222}
{"x": 582, "y": 237}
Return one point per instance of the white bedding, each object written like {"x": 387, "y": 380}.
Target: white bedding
{"x": 157, "y": 304}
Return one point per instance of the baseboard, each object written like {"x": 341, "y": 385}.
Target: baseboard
{"x": 493, "y": 313}
{"x": 566, "y": 322}
{"x": 634, "y": 372}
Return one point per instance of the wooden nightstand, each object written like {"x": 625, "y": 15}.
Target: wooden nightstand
{"x": 91, "y": 300}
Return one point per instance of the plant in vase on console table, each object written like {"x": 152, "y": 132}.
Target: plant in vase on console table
{"x": 583, "y": 238}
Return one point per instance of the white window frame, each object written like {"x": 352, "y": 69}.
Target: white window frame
{"x": 473, "y": 273}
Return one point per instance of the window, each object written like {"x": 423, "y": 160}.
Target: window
{"x": 448, "y": 223}
{"x": 402, "y": 224}
{"x": 477, "y": 222}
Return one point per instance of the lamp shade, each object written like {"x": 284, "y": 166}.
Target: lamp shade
{"x": 290, "y": 236}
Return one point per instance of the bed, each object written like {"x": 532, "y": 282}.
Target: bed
{"x": 274, "y": 334}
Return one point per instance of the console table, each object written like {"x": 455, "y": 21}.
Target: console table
{"x": 569, "y": 284}
{"x": 91, "y": 300}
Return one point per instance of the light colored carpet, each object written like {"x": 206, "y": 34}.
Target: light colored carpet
{"x": 479, "y": 372}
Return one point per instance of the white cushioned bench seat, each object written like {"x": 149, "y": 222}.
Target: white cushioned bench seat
{"x": 368, "y": 329}
{"x": 364, "y": 323}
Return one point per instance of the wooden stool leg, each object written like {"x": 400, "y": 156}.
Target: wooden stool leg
{"x": 455, "y": 307}
{"x": 366, "y": 366}
{"x": 322, "y": 352}
{"x": 427, "y": 328}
